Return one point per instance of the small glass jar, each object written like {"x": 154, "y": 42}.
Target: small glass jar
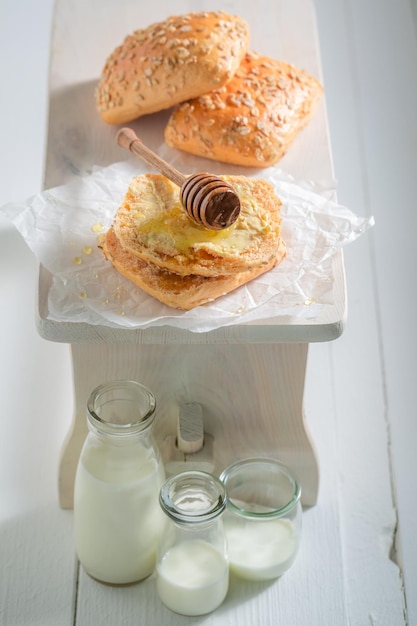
{"x": 263, "y": 518}
{"x": 117, "y": 517}
{"x": 192, "y": 569}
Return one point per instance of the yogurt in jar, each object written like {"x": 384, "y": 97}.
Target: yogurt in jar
{"x": 260, "y": 550}
{"x": 192, "y": 578}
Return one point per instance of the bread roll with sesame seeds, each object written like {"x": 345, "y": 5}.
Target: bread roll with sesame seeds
{"x": 152, "y": 225}
{"x": 180, "y": 292}
{"x": 250, "y": 121}
{"x": 171, "y": 61}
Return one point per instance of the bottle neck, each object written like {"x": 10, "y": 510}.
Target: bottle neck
{"x": 122, "y": 411}
{"x": 193, "y": 497}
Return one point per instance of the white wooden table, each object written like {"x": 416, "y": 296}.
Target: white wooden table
{"x": 360, "y": 396}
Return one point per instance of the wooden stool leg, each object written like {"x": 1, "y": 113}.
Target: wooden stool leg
{"x": 251, "y": 397}
{"x": 78, "y": 431}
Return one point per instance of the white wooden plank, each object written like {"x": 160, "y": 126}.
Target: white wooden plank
{"x": 36, "y": 552}
{"x": 389, "y": 144}
{"x": 37, "y": 568}
{"x": 361, "y": 124}
{"x": 364, "y": 459}
{"x": 22, "y": 74}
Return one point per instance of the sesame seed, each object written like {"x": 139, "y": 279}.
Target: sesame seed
{"x": 207, "y": 142}
{"x": 182, "y": 53}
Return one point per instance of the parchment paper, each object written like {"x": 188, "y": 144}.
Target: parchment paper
{"x": 62, "y": 226}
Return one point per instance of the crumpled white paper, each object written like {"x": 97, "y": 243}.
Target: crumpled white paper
{"x": 62, "y": 225}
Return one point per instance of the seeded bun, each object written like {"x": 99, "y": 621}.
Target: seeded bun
{"x": 250, "y": 121}
{"x": 171, "y": 61}
{"x": 180, "y": 292}
{"x": 152, "y": 225}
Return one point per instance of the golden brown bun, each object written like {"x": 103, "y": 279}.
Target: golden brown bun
{"x": 250, "y": 121}
{"x": 152, "y": 225}
{"x": 169, "y": 62}
{"x": 181, "y": 292}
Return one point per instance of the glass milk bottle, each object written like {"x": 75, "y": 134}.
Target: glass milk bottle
{"x": 192, "y": 569}
{"x": 263, "y": 518}
{"x": 117, "y": 517}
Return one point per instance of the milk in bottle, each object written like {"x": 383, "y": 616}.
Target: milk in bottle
{"x": 117, "y": 517}
{"x": 192, "y": 575}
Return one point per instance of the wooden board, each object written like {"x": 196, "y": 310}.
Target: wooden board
{"x": 78, "y": 139}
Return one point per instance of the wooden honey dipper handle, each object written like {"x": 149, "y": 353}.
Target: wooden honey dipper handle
{"x": 208, "y": 200}
{"x": 127, "y": 138}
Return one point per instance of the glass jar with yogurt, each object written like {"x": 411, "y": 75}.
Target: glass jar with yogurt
{"x": 117, "y": 517}
{"x": 192, "y": 574}
{"x": 263, "y": 518}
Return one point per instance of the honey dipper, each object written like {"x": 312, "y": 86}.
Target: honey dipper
{"x": 207, "y": 199}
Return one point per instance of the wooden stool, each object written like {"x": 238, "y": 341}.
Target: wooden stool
{"x": 247, "y": 379}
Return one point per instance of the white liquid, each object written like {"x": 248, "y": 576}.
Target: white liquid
{"x": 117, "y": 517}
{"x": 193, "y": 578}
{"x": 260, "y": 550}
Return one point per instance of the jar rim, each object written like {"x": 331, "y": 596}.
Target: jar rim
{"x": 189, "y": 484}
{"x": 120, "y": 429}
{"x": 232, "y": 471}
